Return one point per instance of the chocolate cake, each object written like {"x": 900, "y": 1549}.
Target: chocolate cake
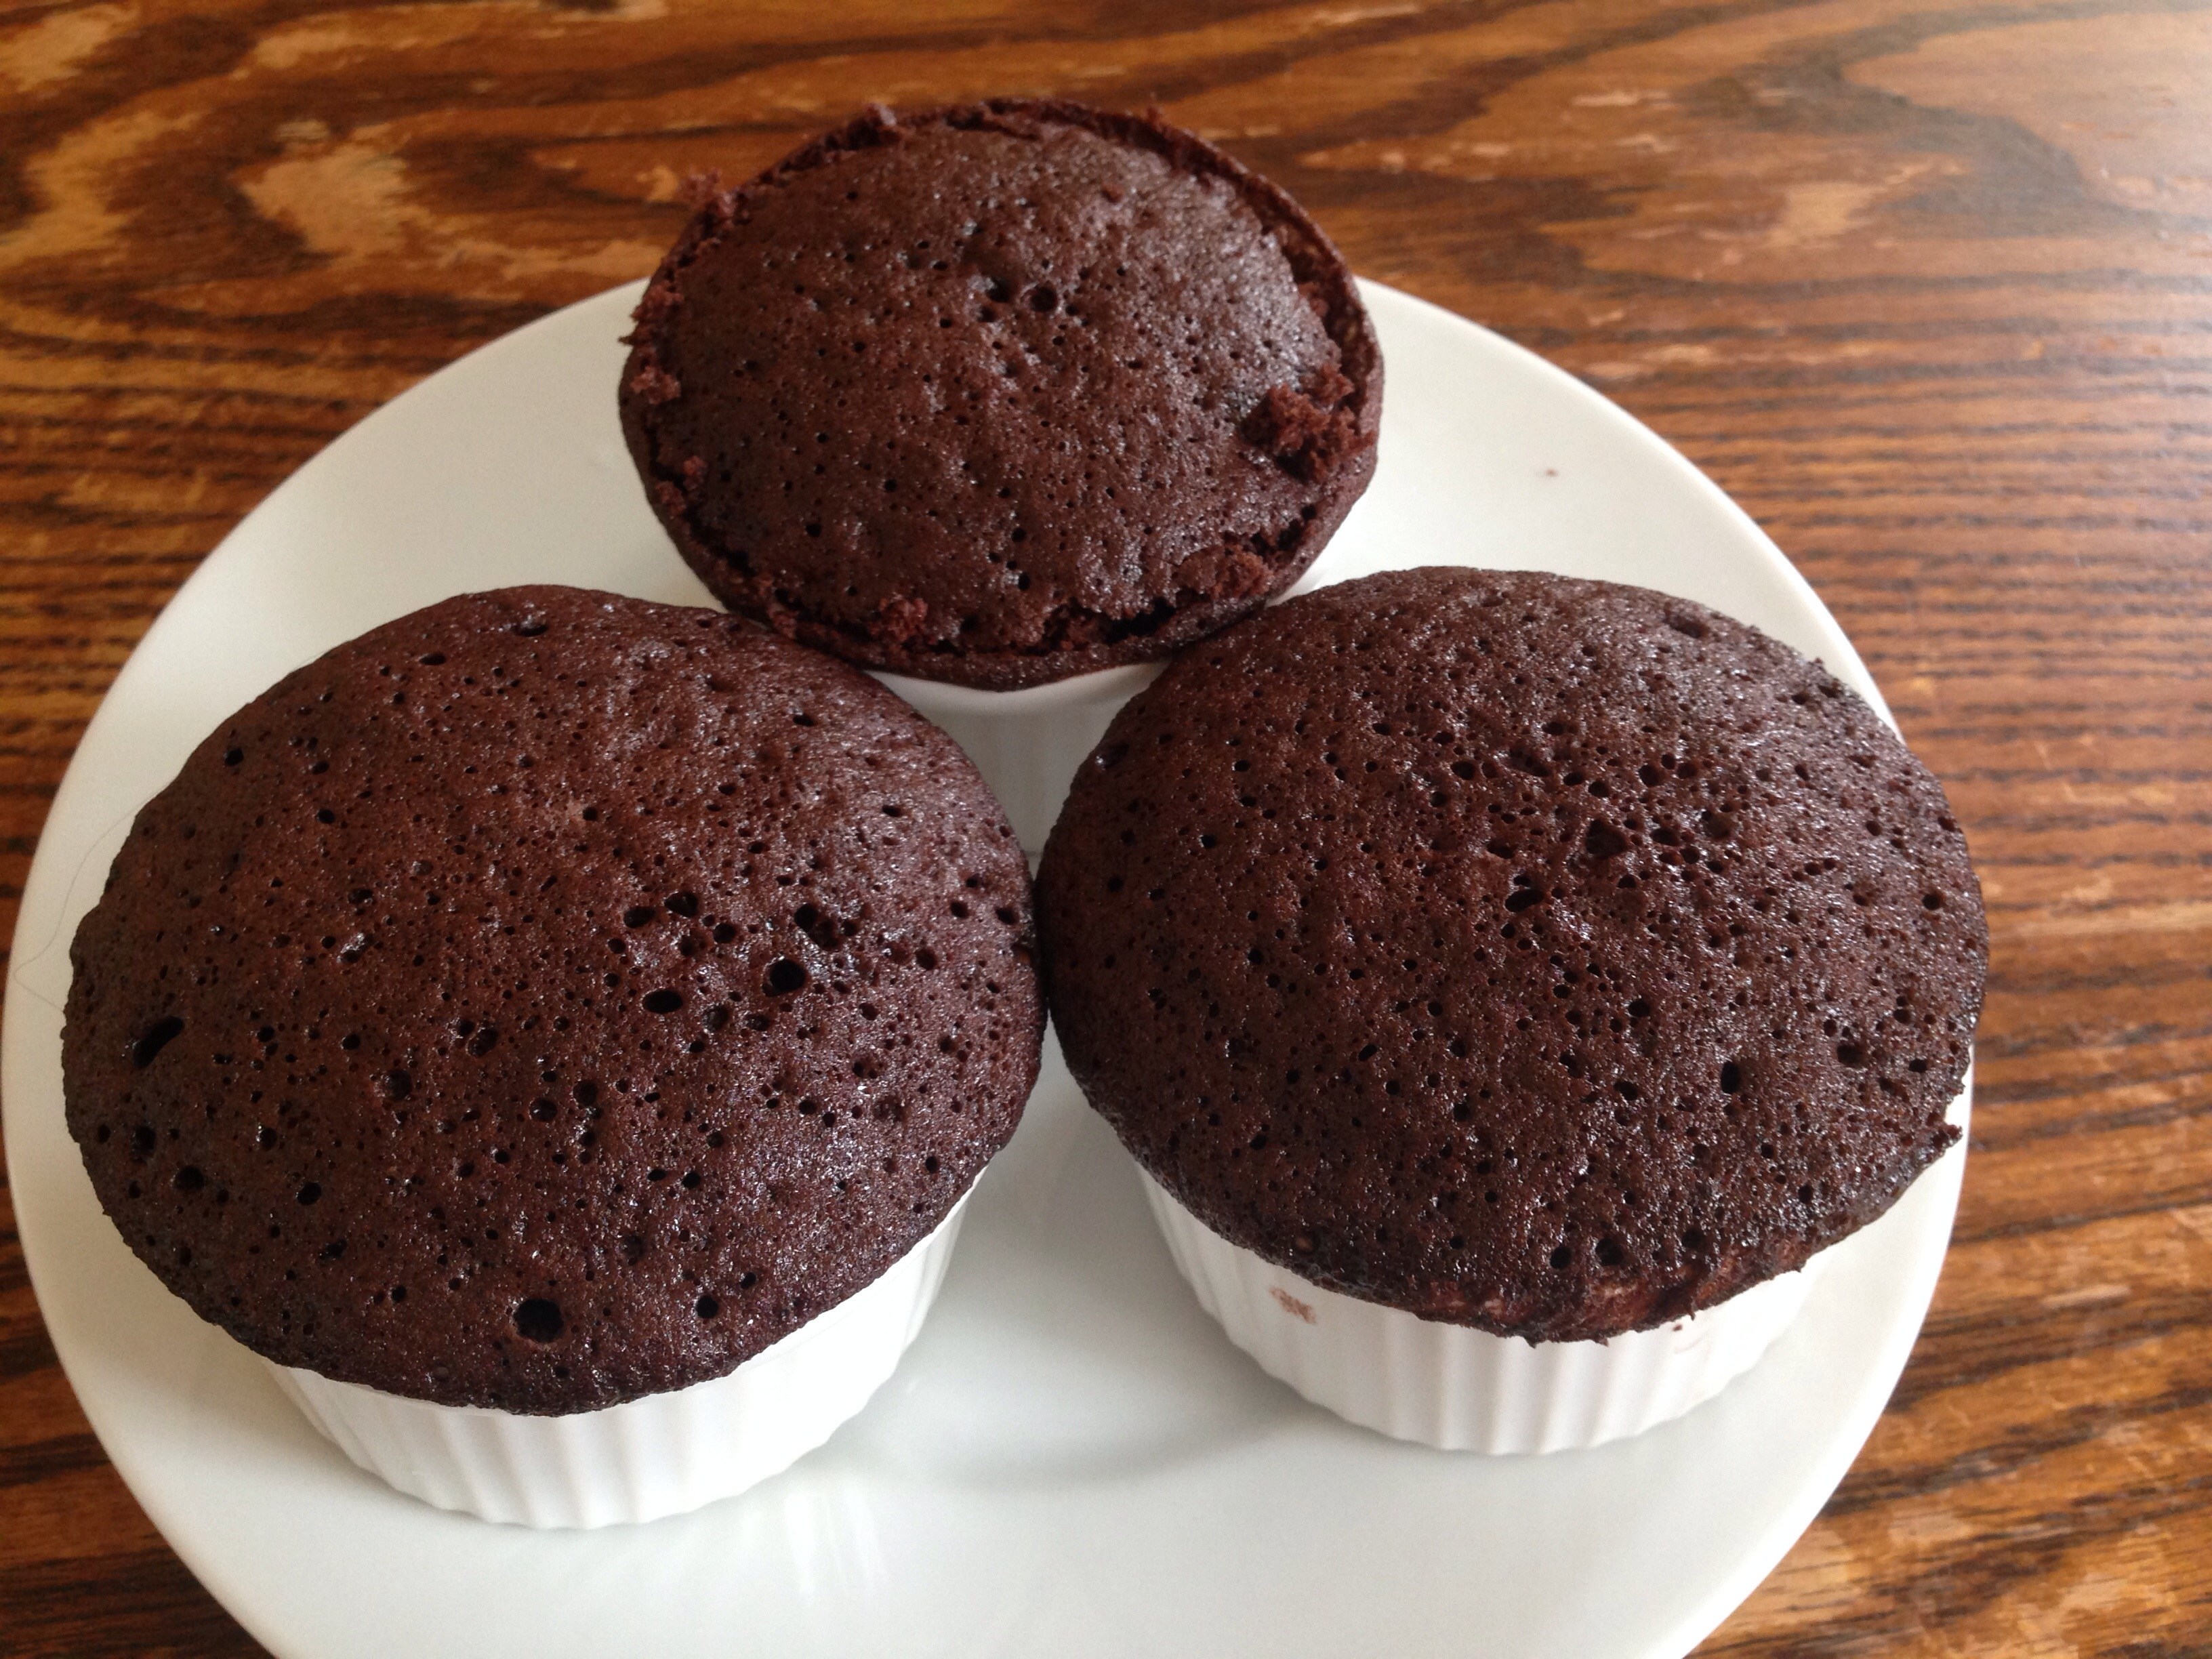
{"x": 1001, "y": 393}
{"x": 1549, "y": 956}
{"x": 549, "y": 998}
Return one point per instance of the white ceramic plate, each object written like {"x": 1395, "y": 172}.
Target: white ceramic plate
{"x": 1073, "y": 1460}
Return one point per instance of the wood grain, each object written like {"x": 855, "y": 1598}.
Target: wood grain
{"x": 1927, "y": 286}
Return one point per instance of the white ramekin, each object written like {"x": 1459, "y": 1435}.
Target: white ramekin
{"x": 1027, "y": 744}
{"x": 664, "y": 1454}
{"x": 1463, "y": 1389}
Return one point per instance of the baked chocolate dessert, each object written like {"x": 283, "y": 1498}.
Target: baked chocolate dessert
{"x": 549, "y": 998}
{"x": 1003, "y": 393}
{"x": 1544, "y": 956}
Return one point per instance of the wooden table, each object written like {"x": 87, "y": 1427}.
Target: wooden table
{"x": 1926, "y": 285}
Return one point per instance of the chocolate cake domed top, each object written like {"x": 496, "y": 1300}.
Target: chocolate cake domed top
{"x": 1546, "y": 955}
{"x": 1002, "y": 393}
{"x": 549, "y": 998}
